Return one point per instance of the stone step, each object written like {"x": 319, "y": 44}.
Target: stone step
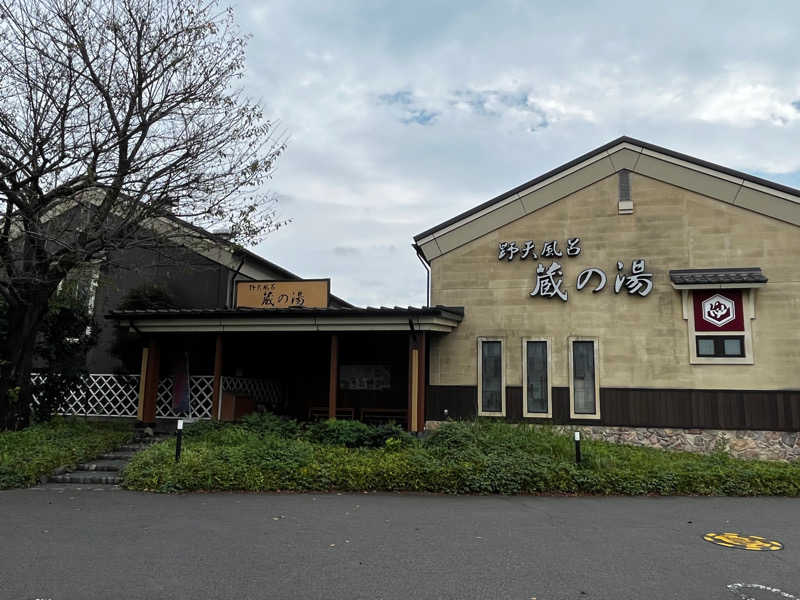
{"x": 85, "y": 477}
{"x": 147, "y": 441}
{"x": 117, "y": 456}
{"x": 102, "y": 465}
{"x": 71, "y": 488}
{"x": 133, "y": 447}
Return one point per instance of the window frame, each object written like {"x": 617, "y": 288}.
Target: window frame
{"x": 481, "y": 412}
{"x": 748, "y": 306}
{"x": 595, "y": 416}
{"x": 548, "y": 346}
{"x": 719, "y": 345}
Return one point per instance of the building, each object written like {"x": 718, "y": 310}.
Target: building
{"x": 633, "y": 287}
{"x": 634, "y": 291}
{"x": 245, "y": 334}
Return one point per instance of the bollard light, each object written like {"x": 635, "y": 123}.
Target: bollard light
{"x": 577, "y": 446}
{"x": 178, "y": 440}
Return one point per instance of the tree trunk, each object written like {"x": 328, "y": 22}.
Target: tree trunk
{"x": 16, "y": 358}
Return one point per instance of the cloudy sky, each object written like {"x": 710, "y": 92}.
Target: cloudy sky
{"x": 403, "y": 114}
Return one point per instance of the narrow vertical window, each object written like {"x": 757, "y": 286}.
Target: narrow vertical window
{"x": 536, "y": 378}
{"x": 491, "y": 392}
{"x": 584, "y": 388}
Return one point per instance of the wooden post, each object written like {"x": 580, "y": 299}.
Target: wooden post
{"x": 421, "y": 366}
{"x": 416, "y": 381}
{"x": 142, "y": 383}
{"x": 410, "y": 380}
{"x": 217, "y": 387}
{"x": 413, "y": 381}
{"x": 148, "y": 385}
{"x": 334, "y": 382}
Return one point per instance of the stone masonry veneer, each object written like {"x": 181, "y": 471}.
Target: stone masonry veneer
{"x": 763, "y": 445}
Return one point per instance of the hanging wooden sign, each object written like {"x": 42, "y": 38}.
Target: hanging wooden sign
{"x": 306, "y": 293}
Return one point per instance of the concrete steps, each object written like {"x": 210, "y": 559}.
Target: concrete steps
{"x": 102, "y": 465}
{"x": 87, "y": 477}
{"x": 106, "y": 469}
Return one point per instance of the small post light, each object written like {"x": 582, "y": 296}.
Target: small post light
{"x": 446, "y": 413}
{"x": 577, "y": 447}
{"x": 178, "y": 440}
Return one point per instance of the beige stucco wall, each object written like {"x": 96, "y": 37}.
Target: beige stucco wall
{"x": 643, "y": 341}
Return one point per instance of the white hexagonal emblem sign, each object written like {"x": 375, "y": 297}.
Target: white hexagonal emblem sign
{"x": 719, "y": 310}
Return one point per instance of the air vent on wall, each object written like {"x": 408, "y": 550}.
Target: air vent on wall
{"x": 625, "y": 205}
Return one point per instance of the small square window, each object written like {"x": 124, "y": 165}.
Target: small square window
{"x": 705, "y": 347}
{"x": 733, "y": 347}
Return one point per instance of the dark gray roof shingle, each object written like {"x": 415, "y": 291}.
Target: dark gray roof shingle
{"x": 717, "y": 276}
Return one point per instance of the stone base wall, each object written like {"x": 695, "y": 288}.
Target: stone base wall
{"x": 739, "y": 443}
{"x": 763, "y": 445}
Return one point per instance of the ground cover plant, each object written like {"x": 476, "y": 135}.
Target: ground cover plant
{"x": 266, "y": 453}
{"x": 28, "y": 454}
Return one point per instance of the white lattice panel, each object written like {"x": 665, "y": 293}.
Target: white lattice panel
{"x": 100, "y": 395}
{"x": 262, "y": 391}
{"x": 201, "y": 394}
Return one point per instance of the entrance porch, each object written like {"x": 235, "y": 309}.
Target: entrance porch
{"x": 367, "y": 364}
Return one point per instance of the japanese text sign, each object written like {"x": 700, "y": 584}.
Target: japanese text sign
{"x": 308, "y": 293}
{"x": 550, "y": 278}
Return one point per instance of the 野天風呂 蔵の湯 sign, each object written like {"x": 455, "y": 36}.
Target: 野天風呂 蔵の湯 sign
{"x": 307, "y": 293}
{"x": 550, "y": 278}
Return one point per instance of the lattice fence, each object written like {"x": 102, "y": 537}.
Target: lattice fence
{"x": 201, "y": 397}
{"x": 101, "y": 395}
{"x": 263, "y": 391}
{"x": 108, "y": 395}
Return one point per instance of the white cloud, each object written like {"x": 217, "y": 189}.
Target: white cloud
{"x": 743, "y": 103}
{"x": 405, "y": 114}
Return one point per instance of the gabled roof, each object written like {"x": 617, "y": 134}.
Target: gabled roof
{"x": 625, "y": 153}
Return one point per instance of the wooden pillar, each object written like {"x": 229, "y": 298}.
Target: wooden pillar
{"x": 148, "y": 384}
{"x": 217, "y": 387}
{"x": 413, "y": 382}
{"x": 416, "y": 382}
{"x": 421, "y": 367}
{"x": 334, "y": 381}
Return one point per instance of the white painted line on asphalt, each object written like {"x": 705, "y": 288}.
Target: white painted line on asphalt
{"x": 737, "y": 589}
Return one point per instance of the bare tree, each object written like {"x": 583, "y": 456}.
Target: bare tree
{"x": 116, "y": 116}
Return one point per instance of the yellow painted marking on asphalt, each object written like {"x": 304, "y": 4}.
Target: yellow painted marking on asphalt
{"x": 732, "y": 539}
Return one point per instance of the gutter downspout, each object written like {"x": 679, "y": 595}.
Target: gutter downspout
{"x": 231, "y": 282}
{"x": 427, "y": 266}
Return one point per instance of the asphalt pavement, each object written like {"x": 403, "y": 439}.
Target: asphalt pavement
{"x": 65, "y": 543}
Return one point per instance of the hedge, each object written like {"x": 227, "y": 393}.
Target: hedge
{"x": 266, "y": 453}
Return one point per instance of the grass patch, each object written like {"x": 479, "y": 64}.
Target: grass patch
{"x": 266, "y": 453}
{"x": 28, "y": 454}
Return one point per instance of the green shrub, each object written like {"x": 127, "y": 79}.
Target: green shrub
{"x": 483, "y": 456}
{"x": 28, "y": 454}
{"x": 352, "y": 434}
{"x": 267, "y": 423}
{"x": 200, "y": 429}
{"x": 391, "y": 435}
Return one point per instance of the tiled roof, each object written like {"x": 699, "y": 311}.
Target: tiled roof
{"x": 717, "y": 276}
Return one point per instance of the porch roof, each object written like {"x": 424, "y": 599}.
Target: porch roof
{"x": 442, "y": 319}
